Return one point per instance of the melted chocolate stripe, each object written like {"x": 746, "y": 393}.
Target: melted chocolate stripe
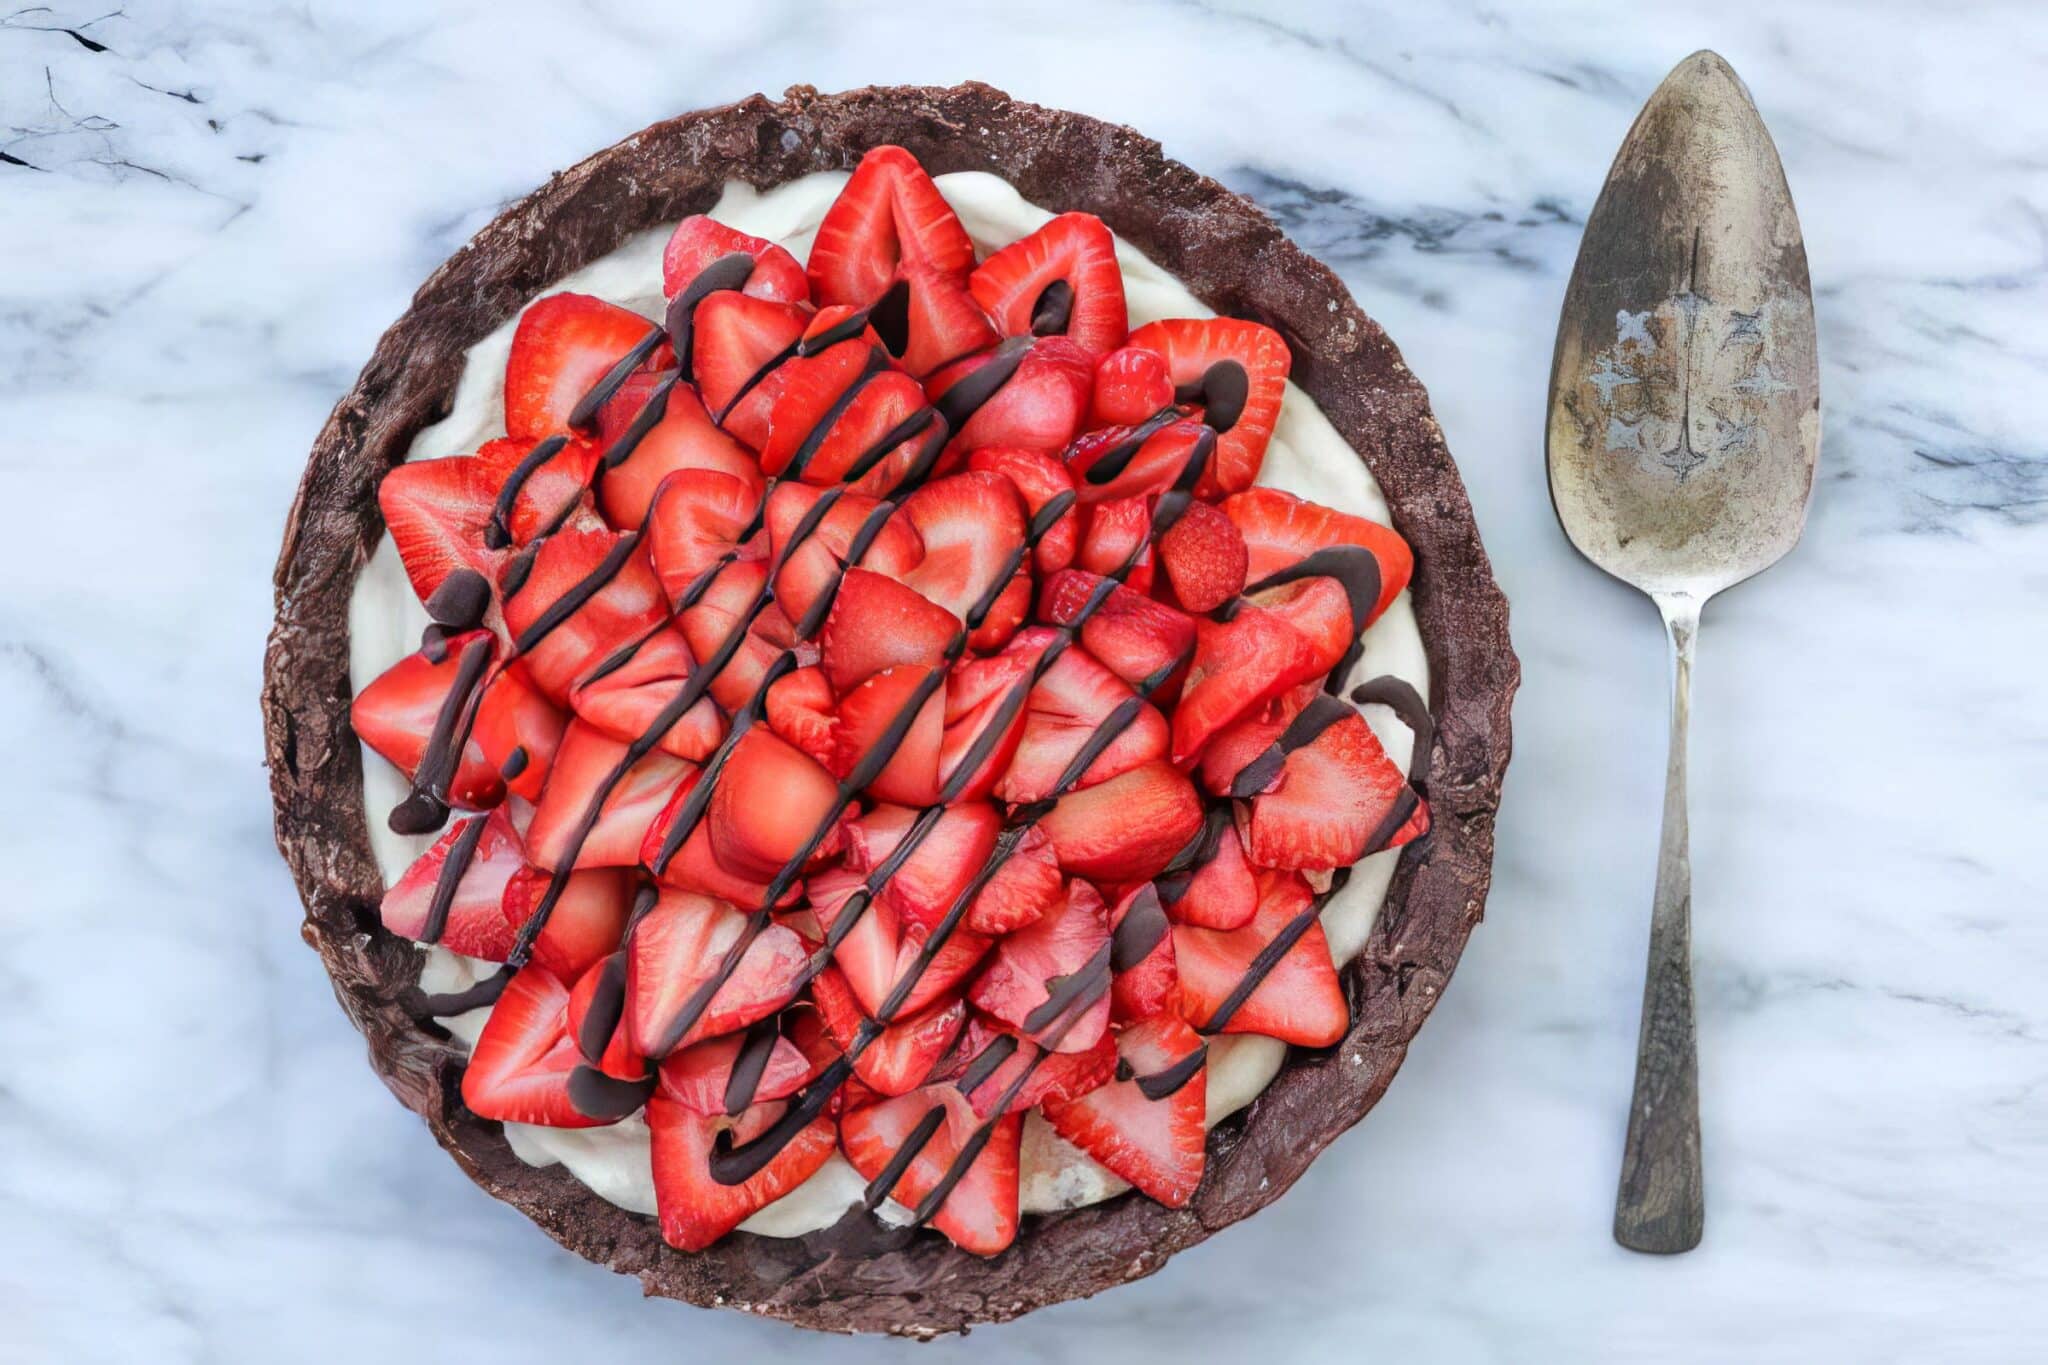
{"x": 877, "y": 365}
{"x": 584, "y": 414}
{"x": 1309, "y": 723}
{"x": 606, "y": 1098}
{"x": 887, "y": 1178}
{"x": 987, "y": 1062}
{"x": 750, "y": 1063}
{"x": 651, "y": 415}
{"x": 450, "y": 879}
{"x": 448, "y": 1004}
{"x": 1142, "y": 929}
{"x": 968, "y": 393}
{"x": 579, "y": 594}
{"x": 498, "y": 530}
{"x": 607, "y": 1007}
{"x": 1161, "y": 1084}
{"x": 1406, "y": 703}
{"x": 1270, "y": 956}
{"x": 425, "y": 807}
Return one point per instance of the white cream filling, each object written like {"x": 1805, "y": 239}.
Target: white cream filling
{"x": 1306, "y": 457}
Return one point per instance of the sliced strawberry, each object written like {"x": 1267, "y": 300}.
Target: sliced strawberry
{"x": 877, "y": 623}
{"x": 397, "y": 713}
{"x": 1125, "y": 829}
{"x": 735, "y": 597}
{"x": 602, "y": 580}
{"x": 698, "y": 1076}
{"x": 1239, "y": 664}
{"x": 586, "y": 760}
{"x": 1204, "y": 557}
{"x": 695, "y": 522}
{"x": 1039, "y": 478}
{"x": 1062, "y": 280}
{"x": 628, "y": 701}
{"x": 944, "y": 860}
{"x": 979, "y": 695}
{"x": 813, "y": 548}
{"x": 698, "y": 241}
{"x": 1280, "y": 530}
{"x": 1330, "y": 798}
{"x": 437, "y": 512}
{"x": 695, "y": 1208}
{"x": 1223, "y": 364}
{"x": 683, "y": 438}
{"x": 871, "y": 442}
{"x": 972, "y": 529}
{"x": 902, "y": 1055}
{"x": 1298, "y": 1001}
{"x": 490, "y": 855}
{"x": 1116, "y": 542}
{"x": 770, "y": 804}
{"x": 678, "y": 948}
{"x": 1071, "y": 701}
{"x": 881, "y": 948}
{"x": 869, "y": 718}
{"x": 1151, "y": 983}
{"x": 1044, "y": 1075}
{"x": 1039, "y": 407}
{"x": 693, "y": 866}
{"x": 1155, "y": 1143}
{"x": 979, "y": 1214}
{"x": 519, "y": 1069}
{"x": 585, "y": 924}
{"x": 564, "y": 344}
{"x": 549, "y": 495}
{"x": 802, "y": 709}
{"x": 1131, "y": 384}
{"x": 736, "y": 338}
{"x": 517, "y": 731}
{"x": 1133, "y": 636}
{"x": 1020, "y": 892}
{"x": 1135, "y": 461}
{"x": 1319, "y": 612}
{"x": 1222, "y": 891}
{"x": 1245, "y": 738}
{"x": 1065, "y": 951}
{"x": 596, "y": 1025}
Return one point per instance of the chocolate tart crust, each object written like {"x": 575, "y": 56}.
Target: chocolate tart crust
{"x": 1237, "y": 261}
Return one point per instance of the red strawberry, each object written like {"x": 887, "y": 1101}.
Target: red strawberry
{"x": 678, "y": 948}
{"x": 601, "y": 1040}
{"x": 585, "y": 761}
{"x": 472, "y": 923}
{"x": 978, "y": 691}
{"x": 734, "y": 598}
{"x": 396, "y": 715}
{"x": 1204, "y": 558}
{"x": 771, "y": 801}
{"x": 584, "y": 926}
{"x": 1131, "y": 384}
{"x": 1039, "y": 479}
{"x": 683, "y": 438}
{"x": 1067, "y": 705}
{"x": 1116, "y": 542}
{"x": 605, "y": 583}
{"x": 696, "y": 519}
{"x": 1046, "y": 1076}
{"x": 735, "y": 340}
{"x": 1039, "y": 407}
{"x": 564, "y": 344}
{"x": 696, "y": 1077}
{"x": 1245, "y": 738}
{"x": 628, "y": 701}
{"x": 519, "y": 1069}
{"x": 867, "y": 716}
{"x": 1298, "y": 1001}
{"x": 696, "y": 1209}
{"x": 515, "y": 719}
{"x": 802, "y": 710}
{"x": 1319, "y": 611}
{"x": 808, "y": 396}
{"x": 693, "y": 866}
{"x": 1220, "y": 359}
{"x": 972, "y": 528}
{"x": 945, "y": 859}
{"x": 902, "y": 1055}
{"x": 1280, "y": 530}
{"x": 1125, "y": 829}
{"x": 437, "y": 511}
{"x": 553, "y": 494}
{"x": 1133, "y": 636}
{"x": 980, "y": 1211}
{"x": 698, "y": 241}
{"x": 1330, "y": 798}
{"x": 880, "y": 948}
{"x": 1156, "y": 1144}
{"x": 813, "y": 549}
{"x": 1021, "y": 890}
{"x": 1239, "y": 664}
{"x": 1062, "y": 280}
{"x": 884, "y": 416}
{"x": 1067, "y": 947}
{"x": 1222, "y": 892}
{"x": 1134, "y": 461}
{"x": 877, "y": 623}
{"x": 1142, "y": 988}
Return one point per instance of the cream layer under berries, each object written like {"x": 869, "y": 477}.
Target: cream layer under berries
{"x": 934, "y": 762}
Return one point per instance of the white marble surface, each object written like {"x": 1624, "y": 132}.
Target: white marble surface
{"x": 221, "y": 207}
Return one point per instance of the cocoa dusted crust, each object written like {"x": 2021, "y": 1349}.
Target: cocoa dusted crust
{"x": 1235, "y": 260}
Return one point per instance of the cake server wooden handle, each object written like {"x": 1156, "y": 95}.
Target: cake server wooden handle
{"x": 1661, "y": 1206}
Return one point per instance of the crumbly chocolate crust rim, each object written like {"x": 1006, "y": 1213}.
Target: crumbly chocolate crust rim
{"x": 1237, "y": 261}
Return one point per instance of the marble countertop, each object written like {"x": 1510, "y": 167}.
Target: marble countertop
{"x": 209, "y": 211}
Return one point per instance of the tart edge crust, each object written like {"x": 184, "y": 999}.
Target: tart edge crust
{"x": 1236, "y": 260}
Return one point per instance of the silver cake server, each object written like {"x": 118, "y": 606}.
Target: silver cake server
{"x": 1684, "y": 423}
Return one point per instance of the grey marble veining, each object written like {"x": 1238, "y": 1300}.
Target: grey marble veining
{"x": 209, "y": 211}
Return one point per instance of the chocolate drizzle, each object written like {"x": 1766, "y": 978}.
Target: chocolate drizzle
{"x": 425, "y": 807}
{"x": 1162, "y": 1084}
{"x": 450, "y": 879}
{"x": 750, "y": 1063}
{"x": 971, "y": 391}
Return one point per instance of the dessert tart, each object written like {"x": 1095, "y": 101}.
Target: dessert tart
{"x": 887, "y": 708}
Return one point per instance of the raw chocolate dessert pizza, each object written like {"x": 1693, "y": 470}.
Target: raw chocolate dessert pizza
{"x": 908, "y": 768}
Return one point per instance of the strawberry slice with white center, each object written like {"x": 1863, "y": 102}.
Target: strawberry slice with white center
{"x": 437, "y": 512}
{"x": 549, "y": 495}
{"x": 1044, "y": 1076}
{"x": 1126, "y": 829}
{"x": 876, "y": 623}
{"x": 700, "y": 241}
{"x": 1236, "y": 372}
{"x": 1280, "y": 530}
{"x": 1050, "y": 980}
{"x": 1062, "y": 280}
{"x": 881, "y": 948}
{"x": 1155, "y": 1141}
{"x": 979, "y": 1214}
{"x": 627, "y": 701}
{"x": 1331, "y": 797}
{"x": 972, "y": 528}
{"x": 733, "y": 599}
{"x": 696, "y": 1209}
{"x": 564, "y": 344}
{"x": 1298, "y": 1001}
{"x": 1245, "y": 738}
{"x": 815, "y": 549}
{"x": 770, "y": 805}
{"x": 802, "y": 709}
{"x": 695, "y": 523}
{"x": 1222, "y": 892}
{"x": 1069, "y": 703}
{"x": 699, "y": 1077}
{"x": 517, "y": 730}
{"x": 1239, "y": 664}
{"x": 1134, "y": 461}
{"x": 683, "y": 438}
{"x": 1203, "y": 556}
{"x": 735, "y": 344}
{"x": 1116, "y": 542}
{"x": 519, "y": 1069}
{"x": 944, "y": 860}
{"x": 1144, "y": 987}
{"x": 904, "y": 1054}
{"x": 1040, "y": 406}
{"x": 678, "y": 948}
{"x": 1039, "y": 479}
{"x": 978, "y": 691}
{"x": 1131, "y": 384}
{"x": 585, "y": 924}
{"x": 586, "y": 595}
{"x": 463, "y": 900}
{"x": 871, "y": 442}
{"x": 397, "y": 713}
{"x": 871, "y": 724}
{"x": 1138, "y": 639}
{"x": 582, "y": 766}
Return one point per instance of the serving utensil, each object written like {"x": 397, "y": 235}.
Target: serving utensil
{"x": 1684, "y": 424}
